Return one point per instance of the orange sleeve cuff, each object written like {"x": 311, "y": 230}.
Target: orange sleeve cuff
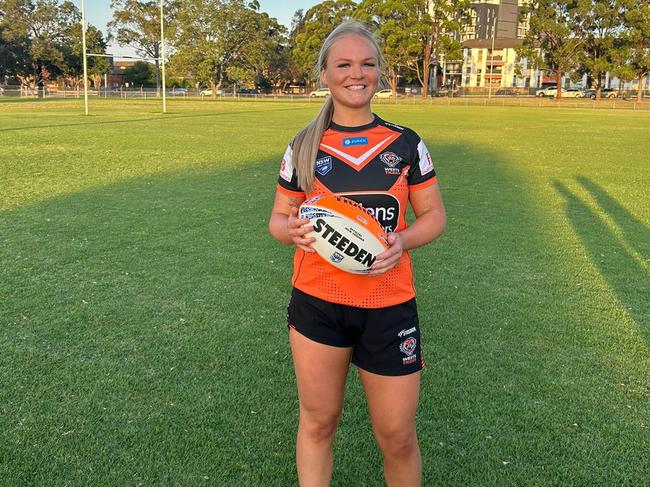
{"x": 288, "y": 192}
{"x": 424, "y": 184}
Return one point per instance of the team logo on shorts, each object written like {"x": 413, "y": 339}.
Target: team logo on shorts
{"x": 407, "y": 347}
{"x": 390, "y": 159}
{"x": 324, "y": 165}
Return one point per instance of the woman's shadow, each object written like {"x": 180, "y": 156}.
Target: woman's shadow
{"x": 622, "y": 256}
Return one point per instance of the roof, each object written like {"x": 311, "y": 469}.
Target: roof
{"x": 502, "y": 43}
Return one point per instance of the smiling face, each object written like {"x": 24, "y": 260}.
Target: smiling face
{"x": 351, "y": 73}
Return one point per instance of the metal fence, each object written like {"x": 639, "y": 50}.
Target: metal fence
{"x": 467, "y": 100}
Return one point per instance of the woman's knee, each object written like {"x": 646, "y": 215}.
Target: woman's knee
{"x": 397, "y": 441}
{"x": 317, "y": 425}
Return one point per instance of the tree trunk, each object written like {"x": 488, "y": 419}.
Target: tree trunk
{"x": 393, "y": 83}
{"x": 639, "y": 90}
{"x": 157, "y": 77}
{"x": 426, "y": 68}
{"x": 558, "y": 83}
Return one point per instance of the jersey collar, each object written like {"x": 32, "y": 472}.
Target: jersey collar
{"x": 361, "y": 128}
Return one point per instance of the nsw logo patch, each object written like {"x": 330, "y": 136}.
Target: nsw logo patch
{"x": 324, "y": 165}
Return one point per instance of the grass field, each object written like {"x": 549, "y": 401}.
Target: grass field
{"x": 142, "y": 301}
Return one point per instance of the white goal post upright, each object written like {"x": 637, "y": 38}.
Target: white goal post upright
{"x": 85, "y": 56}
{"x": 83, "y": 43}
{"x": 162, "y": 56}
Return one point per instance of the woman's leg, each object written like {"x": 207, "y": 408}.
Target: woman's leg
{"x": 392, "y": 402}
{"x": 321, "y": 371}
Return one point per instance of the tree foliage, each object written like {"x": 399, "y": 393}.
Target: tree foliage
{"x": 394, "y": 21}
{"x": 136, "y": 23}
{"x": 316, "y": 25}
{"x": 551, "y": 42}
{"x": 44, "y": 34}
{"x": 221, "y": 41}
{"x": 437, "y": 30}
{"x": 598, "y": 24}
{"x": 636, "y": 38}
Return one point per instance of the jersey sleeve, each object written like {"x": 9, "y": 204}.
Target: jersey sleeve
{"x": 422, "y": 173}
{"x": 288, "y": 180}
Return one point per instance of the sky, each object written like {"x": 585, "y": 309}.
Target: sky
{"x": 99, "y": 13}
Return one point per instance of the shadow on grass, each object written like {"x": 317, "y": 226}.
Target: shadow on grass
{"x": 143, "y": 339}
{"x": 161, "y": 117}
{"x": 621, "y": 260}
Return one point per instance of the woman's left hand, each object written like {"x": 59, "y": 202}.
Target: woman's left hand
{"x": 387, "y": 259}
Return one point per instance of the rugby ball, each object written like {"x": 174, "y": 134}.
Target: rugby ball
{"x": 347, "y": 236}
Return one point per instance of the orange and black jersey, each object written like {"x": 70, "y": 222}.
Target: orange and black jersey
{"x": 376, "y": 165}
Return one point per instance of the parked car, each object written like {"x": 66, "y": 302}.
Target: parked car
{"x": 604, "y": 93}
{"x": 247, "y": 91}
{"x": 384, "y": 94}
{"x": 506, "y": 92}
{"x": 178, "y": 91}
{"x": 451, "y": 92}
{"x": 550, "y": 91}
{"x": 320, "y": 93}
{"x": 572, "y": 93}
{"x": 208, "y": 92}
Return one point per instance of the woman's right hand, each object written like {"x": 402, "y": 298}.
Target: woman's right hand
{"x": 297, "y": 229}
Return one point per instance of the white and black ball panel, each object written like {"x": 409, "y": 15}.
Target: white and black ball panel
{"x": 350, "y": 244}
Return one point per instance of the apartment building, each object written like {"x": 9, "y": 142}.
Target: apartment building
{"x": 488, "y": 42}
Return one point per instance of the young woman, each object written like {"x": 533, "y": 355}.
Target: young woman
{"x": 335, "y": 317}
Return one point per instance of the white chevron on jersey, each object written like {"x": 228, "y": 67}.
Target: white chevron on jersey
{"x": 357, "y": 161}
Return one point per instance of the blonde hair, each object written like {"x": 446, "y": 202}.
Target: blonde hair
{"x": 307, "y": 141}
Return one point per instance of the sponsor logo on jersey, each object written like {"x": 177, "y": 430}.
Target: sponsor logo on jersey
{"x": 324, "y": 165}
{"x": 426, "y": 164}
{"x": 390, "y": 159}
{"x": 350, "y": 141}
{"x": 403, "y": 333}
{"x": 393, "y": 125}
{"x": 407, "y": 347}
{"x": 286, "y": 168}
{"x": 383, "y": 206}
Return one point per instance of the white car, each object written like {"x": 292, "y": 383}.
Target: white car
{"x": 384, "y": 94}
{"x": 208, "y": 92}
{"x": 320, "y": 93}
{"x": 573, "y": 93}
{"x": 551, "y": 91}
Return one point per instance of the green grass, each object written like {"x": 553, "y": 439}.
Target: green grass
{"x": 142, "y": 301}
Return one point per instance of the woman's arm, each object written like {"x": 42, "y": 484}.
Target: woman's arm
{"x": 430, "y": 221}
{"x": 284, "y": 224}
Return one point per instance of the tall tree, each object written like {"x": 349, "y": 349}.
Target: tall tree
{"x": 551, "y": 43}
{"x": 46, "y": 24}
{"x": 636, "y": 21}
{"x": 276, "y": 65}
{"x": 14, "y": 55}
{"x": 221, "y": 40}
{"x": 73, "y": 56}
{"x": 136, "y": 23}
{"x": 438, "y": 28}
{"x": 598, "y": 23}
{"x": 394, "y": 21}
{"x": 317, "y": 23}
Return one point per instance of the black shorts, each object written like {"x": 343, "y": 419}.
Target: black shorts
{"x": 384, "y": 341}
